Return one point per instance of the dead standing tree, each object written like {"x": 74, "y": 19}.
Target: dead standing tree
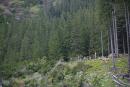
{"x": 115, "y": 33}
{"x": 113, "y": 36}
{"x": 127, "y": 19}
{"x": 112, "y": 47}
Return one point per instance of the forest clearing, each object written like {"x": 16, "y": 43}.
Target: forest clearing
{"x": 64, "y": 43}
{"x": 83, "y": 73}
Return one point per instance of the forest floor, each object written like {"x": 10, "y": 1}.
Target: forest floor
{"x": 41, "y": 73}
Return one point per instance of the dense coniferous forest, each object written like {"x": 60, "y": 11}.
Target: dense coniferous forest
{"x": 66, "y": 30}
{"x": 56, "y": 29}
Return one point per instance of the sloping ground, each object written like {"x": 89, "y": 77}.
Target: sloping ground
{"x": 85, "y": 73}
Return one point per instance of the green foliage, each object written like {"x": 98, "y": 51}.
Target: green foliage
{"x": 92, "y": 72}
{"x": 81, "y": 67}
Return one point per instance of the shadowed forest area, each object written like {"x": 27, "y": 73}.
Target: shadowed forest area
{"x": 64, "y": 43}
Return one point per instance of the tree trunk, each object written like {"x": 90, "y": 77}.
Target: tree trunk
{"x": 115, "y": 31}
{"x": 128, "y": 33}
{"x": 109, "y": 43}
{"x": 124, "y": 45}
{"x": 102, "y": 44}
{"x": 112, "y": 48}
{"x": 0, "y": 82}
{"x": 116, "y": 37}
{"x": 113, "y": 34}
{"x": 46, "y": 81}
{"x": 128, "y": 39}
{"x": 95, "y": 55}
